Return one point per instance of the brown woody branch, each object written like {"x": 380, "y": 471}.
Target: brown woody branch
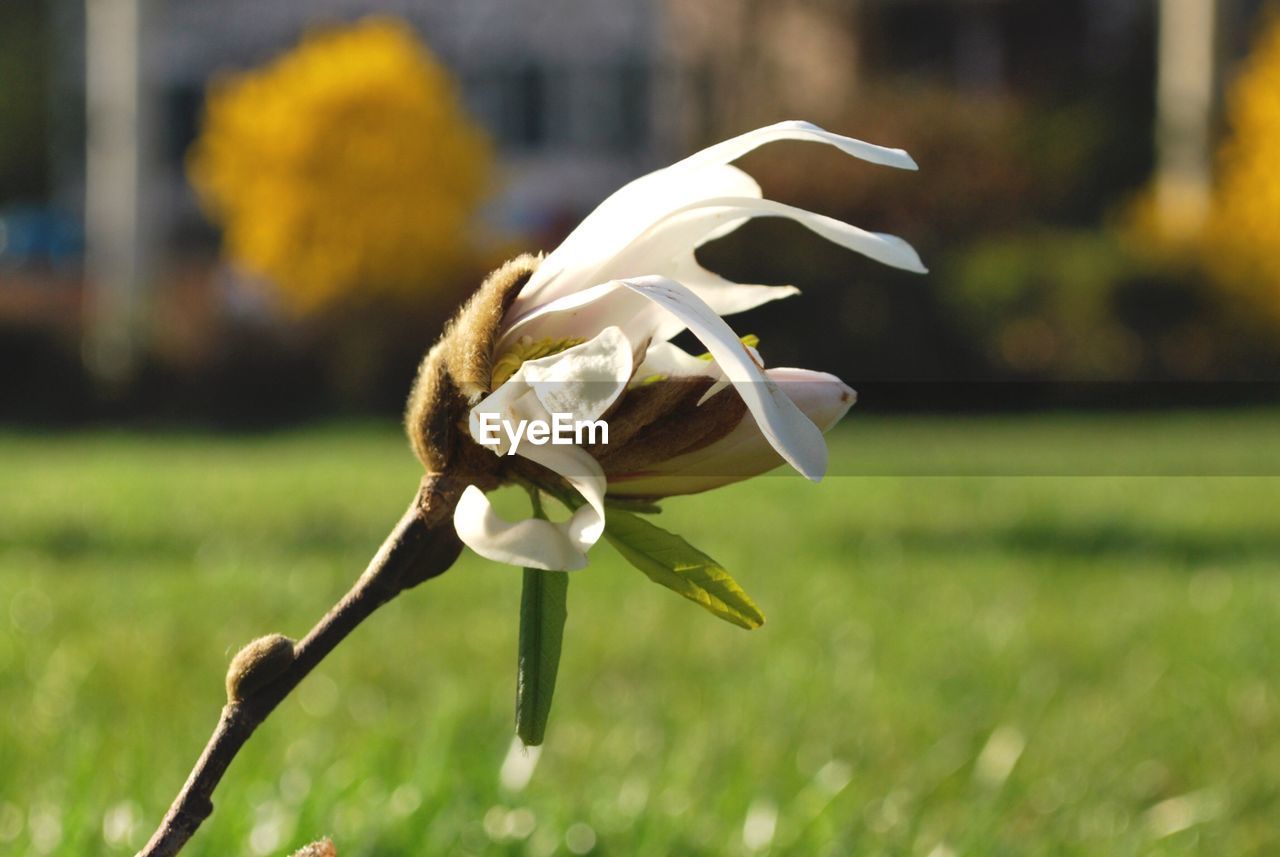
{"x": 422, "y": 545}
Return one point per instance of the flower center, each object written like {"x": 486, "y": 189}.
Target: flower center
{"x": 527, "y": 349}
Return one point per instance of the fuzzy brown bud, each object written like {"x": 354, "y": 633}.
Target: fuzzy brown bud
{"x": 458, "y": 370}
{"x": 322, "y": 848}
{"x": 257, "y": 664}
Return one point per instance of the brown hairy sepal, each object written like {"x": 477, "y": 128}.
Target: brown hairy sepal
{"x": 322, "y": 848}
{"x": 457, "y": 372}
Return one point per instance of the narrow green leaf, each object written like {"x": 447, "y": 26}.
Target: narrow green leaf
{"x": 543, "y": 609}
{"x": 640, "y": 507}
{"x": 671, "y": 561}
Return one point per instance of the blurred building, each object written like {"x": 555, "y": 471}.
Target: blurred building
{"x": 570, "y": 90}
{"x": 583, "y": 95}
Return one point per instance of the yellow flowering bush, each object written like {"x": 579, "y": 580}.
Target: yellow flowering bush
{"x": 1243, "y": 235}
{"x": 346, "y": 166}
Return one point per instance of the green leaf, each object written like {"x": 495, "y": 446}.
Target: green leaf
{"x": 630, "y": 504}
{"x": 671, "y": 561}
{"x": 543, "y": 608}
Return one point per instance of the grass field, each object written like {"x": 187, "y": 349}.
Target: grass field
{"x": 952, "y": 665}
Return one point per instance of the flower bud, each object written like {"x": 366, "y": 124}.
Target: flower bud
{"x": 322, "y": 848}
{"x": 257, "y": 665}
{"x": 458, "y": 370}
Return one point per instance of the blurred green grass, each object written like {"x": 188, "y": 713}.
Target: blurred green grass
{"x": 951, "y": 665}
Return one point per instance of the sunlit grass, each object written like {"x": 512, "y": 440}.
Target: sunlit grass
{"x": 951, "y": 664}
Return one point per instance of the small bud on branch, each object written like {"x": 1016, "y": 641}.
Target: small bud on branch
{"x": 422, "y": 545}
{"x": 257, "y": 664}
{"x": 322, "y": 848}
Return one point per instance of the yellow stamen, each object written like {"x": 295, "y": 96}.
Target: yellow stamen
{"x": 750, "y": 340}
{"x": 526, "y": 349}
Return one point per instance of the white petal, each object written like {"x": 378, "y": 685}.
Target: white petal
{"x": 576, "y": 465}
{"x": 583, "y": 380}
{"x": 663, "y": 358}
{"x": 607, "y": 304}
{"x": 583, "y": 313}
{"x": 788, "y": 430}
{"x": 723, "y": 381}
{"x": 823, "y": 397}
{"x": 795, "y": 129}
{"x": 683, "y": 230}
{"x": 702, "y": 175}
{"x": 512, "y": 401}
{"x": 666, "y": 249}
{"x": 620, "y": 218}
{"x": 531, "y": 543}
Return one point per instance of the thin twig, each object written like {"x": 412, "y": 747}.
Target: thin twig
{"x": 423, "y": 545}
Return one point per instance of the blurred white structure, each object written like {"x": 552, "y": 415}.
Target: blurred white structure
{"x": 1186, "y": 88}
{"x": 117, "y": 159}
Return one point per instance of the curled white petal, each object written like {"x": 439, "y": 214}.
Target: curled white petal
{"x": 531, "y": 543}
{"x": 576, "y": 465}
{"x": 583, "y": 312}
{"x": 534, "y": 542}
{"x": 796, "y": 129}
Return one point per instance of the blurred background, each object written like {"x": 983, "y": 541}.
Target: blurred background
{"x": 229, "y": 212}
{"x": 229, "y": 229}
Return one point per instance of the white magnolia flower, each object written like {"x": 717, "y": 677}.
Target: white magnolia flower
{"x": 588, "y": 333}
